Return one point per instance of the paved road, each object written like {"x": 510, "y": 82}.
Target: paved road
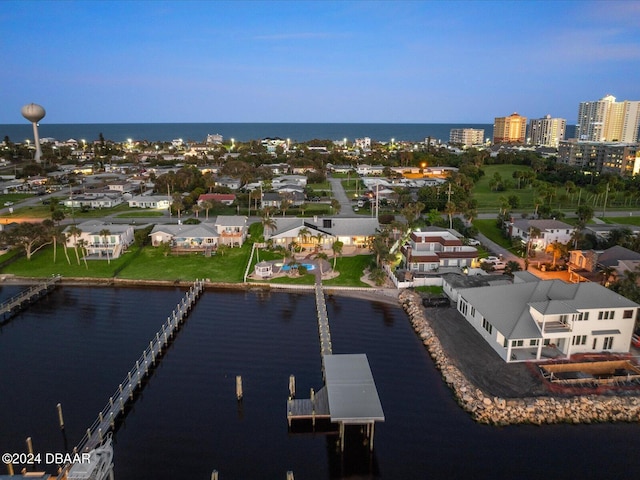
{"x": 337, "y": 190}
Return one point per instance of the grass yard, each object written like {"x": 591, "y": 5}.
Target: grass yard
{"x": 490, "y": 229}
{"x": 351, "y": 269}
{"x": 632, "y": 220}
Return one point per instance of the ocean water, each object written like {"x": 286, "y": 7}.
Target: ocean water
{"x": 120, "y": 132}
{"x": 75, "y": 345}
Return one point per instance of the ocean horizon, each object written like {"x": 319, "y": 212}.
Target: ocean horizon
{"x": 243, "y": 132}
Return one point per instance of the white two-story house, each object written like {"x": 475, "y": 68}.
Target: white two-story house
{"x": 533, "y": 320}
{"x": 431, "y": 248}
{"x": 550, "y": 231}
{"x": 101, "y": 240}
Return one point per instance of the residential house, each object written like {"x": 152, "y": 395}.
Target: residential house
{"x": 232, "y": 229}
{"x": 275, "y": 199}
{"x": 433, "y": 248}
{"x": 228, "y": 230}
{"x": 299, "y": 180}
{"x": 224, "y": 198}
{"x": 366, "y": 170}
{"x": 594, "y": 265}
{"x": 228, "y": 182}
{"x": 156, "y": 202}
{"x": 550, "y": 231}
{"x": 100, "y": 239}
{"x": 94, "y": 200}
{"x": 530, "y": 320}
{"x": 322, "y": 232}
{"x": 601, "y": 231}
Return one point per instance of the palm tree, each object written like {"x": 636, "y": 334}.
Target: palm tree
{"x": 74, "y": 232}
{"x": 337, "y": 250}
{"x": 268, "y": 223}
{"x": 105, "y": 233}
{"x": 196, "y": 209}
{"x": 206, "y": 206}
{"x": 304, "y": 233}
{"x": 319, "y": 237}
{"x": 557, "y": 249}
{"x": 82, "y": 244}
{"x": 606, "y": 273}
{"x": 321, "y": 257}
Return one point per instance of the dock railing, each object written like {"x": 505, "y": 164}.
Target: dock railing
{"x": 26, "y": 295}
{"x": 126, "y": 390}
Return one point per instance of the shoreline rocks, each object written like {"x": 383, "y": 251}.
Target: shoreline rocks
{"x": 492, "y": 410}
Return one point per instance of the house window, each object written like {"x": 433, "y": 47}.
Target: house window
{"x": 517, "y": 343}
{"x": 473, "y": 312}
{"x": 627, "y": 314}
{"x": 487, "y": 326}
{"x": 326, "y": 223}
{"x": 583, "y": 316}
{"x": 579, "y": 340}
{"x": 608, "y": 343}
{"x": 606, "y": 315}
{"x": 534, "y": 342}
{"x": 563, "y": 319}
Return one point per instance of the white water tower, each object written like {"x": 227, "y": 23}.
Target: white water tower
{"x": 34, "y": 113}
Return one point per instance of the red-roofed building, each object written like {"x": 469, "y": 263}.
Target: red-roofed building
{"x": 225, "y": 198}
{"x": 434, "y": 248}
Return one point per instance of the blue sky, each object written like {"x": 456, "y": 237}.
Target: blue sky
{"x": 316, "y": 61}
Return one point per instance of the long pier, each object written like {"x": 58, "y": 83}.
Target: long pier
{"x": 349, "y": 395}
{"x": 11, "y": 307}
{"x": 132, "y": 382}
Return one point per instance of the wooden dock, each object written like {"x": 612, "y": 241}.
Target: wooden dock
{"x": 133, "y": 381}
{"x": 20, "y": 301}
{"x": 316, "y": 407}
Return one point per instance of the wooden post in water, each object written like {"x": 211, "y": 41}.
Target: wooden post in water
{"x": 239, "y": 393}
{"x": 214, "y": 475}
{"x": 10, "y": 468}
{"x": 60, "y": 418}
{"x": 292, "y": 386}
{"x": 29, "y": 446}
{"x": 290, "y": 475}
{"x": 313, "y": 407}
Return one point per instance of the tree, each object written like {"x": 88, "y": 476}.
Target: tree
{"x": 206, "y": 206}
{"x": 268, "y": 223}
{"x": 605, "y": 275}
{"x": 336, "y": 206}
{"x": 104, "y": 234}
{"x": 321, "y": 257}
{"x": 557, "y": 249}
{"x": 196, "y": 209}
{"x": 73, "y": 232}
{"x": 177, "y": 204}
{"x": 82, "y": 244}
{"x": 29, "y": 236}
{"x": 336, "y": 247}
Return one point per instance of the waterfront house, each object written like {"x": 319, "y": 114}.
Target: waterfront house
{"x": 228, "y": 230}
{"x": 275, "y": 199}
{"x": 322, "y": 232}
{"x": 101, "y": 239}
{"x": 432, "y": 248}
{"x": 550, "y": 231}
{"x": 531, "y": 320}
{"x": 228, "y": 182}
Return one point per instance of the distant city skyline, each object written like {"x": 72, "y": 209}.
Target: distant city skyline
{"x": 320, "y": 61}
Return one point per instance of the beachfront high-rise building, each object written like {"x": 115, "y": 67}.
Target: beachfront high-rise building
{"x": 511, "y": 129}
{"x": 466, "y": 136}
{"x": 547, "y": 131}
{"x": 606, "y": 120}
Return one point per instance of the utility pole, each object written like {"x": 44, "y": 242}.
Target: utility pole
{"x": 606, "y": 196}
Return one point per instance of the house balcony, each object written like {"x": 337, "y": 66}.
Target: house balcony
{"x": 555, "y": 327}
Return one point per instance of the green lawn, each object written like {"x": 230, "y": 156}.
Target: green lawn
{"x": 490, "y": 229}
{"x": 633, "y": 220}
{"x": 351, "y": 269}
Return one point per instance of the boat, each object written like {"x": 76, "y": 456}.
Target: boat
{"x": 95, "y": 465}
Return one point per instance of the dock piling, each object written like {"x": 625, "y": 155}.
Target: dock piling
{"x": 29, "y": 446}
{"x": 239, "y": 393}
{"x": 292, "y": 386}
{"x": 214, "y": 475}
{"x": 60, "y": 418}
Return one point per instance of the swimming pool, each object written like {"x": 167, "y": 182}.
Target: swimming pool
{"x": 308, "y": 266}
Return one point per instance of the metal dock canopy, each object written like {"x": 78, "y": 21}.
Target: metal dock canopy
{"x": 352, "y": 393}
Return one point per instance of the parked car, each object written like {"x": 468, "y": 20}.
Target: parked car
{"x": 473, "y": 242}
{"x": 499, "y": 265}
{"x": 490, "y": 259}
{"x": 436, "y": 301}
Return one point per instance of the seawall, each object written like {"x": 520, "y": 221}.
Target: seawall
{"x": 531, "y": 410}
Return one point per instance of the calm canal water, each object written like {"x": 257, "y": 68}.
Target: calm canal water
{"x": 76, "y": 345}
